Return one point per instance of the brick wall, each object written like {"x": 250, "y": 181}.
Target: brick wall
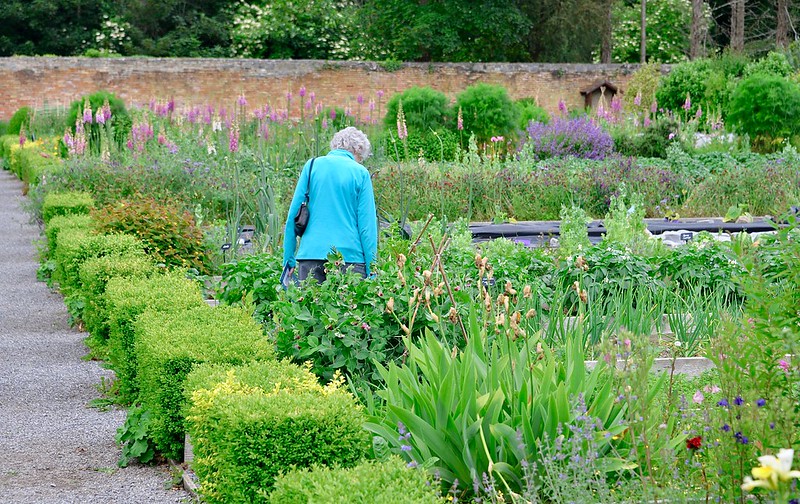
{"x": 43, "y": 81}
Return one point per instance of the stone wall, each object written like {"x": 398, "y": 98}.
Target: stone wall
{"x": 55, "y": 82}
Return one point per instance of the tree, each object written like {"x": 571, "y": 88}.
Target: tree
{"x": 698, "y": 31}
{"x": 565, "y": 30}
{"x": 58, "y": 27}
{"x": 737, "y": 25}
{"x": 289, "y": 29}
{"x": 667, "y": 38}
{"x": 782, "y": 25}
{"x": 444, "y": 30}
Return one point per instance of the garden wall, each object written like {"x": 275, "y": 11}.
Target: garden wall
{"x": 52, "y": 81}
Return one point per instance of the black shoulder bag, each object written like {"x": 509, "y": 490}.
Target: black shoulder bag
{"x": 301, "y": 219}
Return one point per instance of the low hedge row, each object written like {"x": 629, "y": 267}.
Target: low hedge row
{"x": 169, "y": 344}
{"x": 68, "y": 203}
{"x": 32, "y": 160}
{"x": 213, "y": 372}
{"x": 370, "y": 482}
{"x": 125, "y": 300}
{"x": 250, "y": 423}
{"x": 95, "y": 273}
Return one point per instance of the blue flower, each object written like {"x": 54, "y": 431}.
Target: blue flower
{"x": 726, "y": 428}
{"x": 761, "y": 403}
{"x": 738, "y": 401}
{"x": 723, "y": 403}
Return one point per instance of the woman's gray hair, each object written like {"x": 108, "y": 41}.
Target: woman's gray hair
{"x": 353, "y": 140}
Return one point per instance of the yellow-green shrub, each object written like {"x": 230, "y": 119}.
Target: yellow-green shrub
{"x": 126, "y": 299}
{"x": 6, "y": 143}
{"x": 370, "y": 482}
{"x": 169, "y": 344}
{"x": 35, "y": 159}
{"x": 75, "y": 245}
{"x": 250, "y": 423}
{"x": 61, "y": 222}
{"x": 66, "y": 203}
{"x": 95, "y": 274}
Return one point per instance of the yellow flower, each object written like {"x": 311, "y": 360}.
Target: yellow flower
{"x": 772, "y": 470}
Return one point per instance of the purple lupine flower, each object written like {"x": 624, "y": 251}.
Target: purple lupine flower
{"x": 360, "y": 99}
{"x": 460, "y": 123}
{"x": 22, "y": 137}
{"x": 379, "y": 93}
{"x": 309, "y": 104}
{"x": 242, "y": 101}
{"x": 371, "y": 105}
{"x": 638, "y": 99}
{"x": 333, "y": 114}
{"x": 687, "y": 105}
{"x": 562, "y": 107}
{"x": 312, "y": 96}
{"x": 616, "y": 104}
{"x": 302, "y": 92}
{"x": 324, "y": 123}
{"x": 288, "y": 96}
{"x": 699, "y": 112}
{"x": 654, "y": 107}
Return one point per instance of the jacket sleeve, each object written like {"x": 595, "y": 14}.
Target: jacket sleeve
{"x": 289, "y": 238}
{"x": 367, "y": 221}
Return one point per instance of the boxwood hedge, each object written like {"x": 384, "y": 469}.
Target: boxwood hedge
{"x": 248, "y": 424}
{"x": 66, "y": 203}
{"x": 169, "y": 344}
{"x": 370, "y": 482}
{"x": 126, "y": 299}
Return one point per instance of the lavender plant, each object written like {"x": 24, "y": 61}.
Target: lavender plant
{"x": 579, "y": 137}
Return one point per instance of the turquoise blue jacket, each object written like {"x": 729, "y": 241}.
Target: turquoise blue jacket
{"x": 342, "y": 213}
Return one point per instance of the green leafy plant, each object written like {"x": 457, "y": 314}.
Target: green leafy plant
{"x": 252, "y": 279}
{"x": 119, "y": 124}
{"x": 527, "y": 111}
{"x": 424, "y": 109}
{"x": 133, "y": 437}
{"x": 66, "y": 203}
{"x": 19, "y": 121}
{"x": 573, "y": 236}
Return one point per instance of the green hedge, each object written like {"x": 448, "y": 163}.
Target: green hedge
{"x": 75, "y": 245}
{"x": 169, "y": 345}
{"x": 6, "y": 144}
{"x": 370, "y": 482}
{"x": 125, "y": 300}
{"x": 67, "y": 203}
{"x": 251, "y": 423}
{"x": 95, "y": 274}
{"x": 61, "y": 222}
{"x": 33, "y": 161}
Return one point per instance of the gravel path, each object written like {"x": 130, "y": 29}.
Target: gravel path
{"x": 54, "y": 448}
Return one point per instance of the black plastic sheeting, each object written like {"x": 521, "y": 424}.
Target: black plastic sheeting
{"x": 539, "y": 233}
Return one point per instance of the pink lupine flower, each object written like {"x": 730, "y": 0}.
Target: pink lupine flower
{"x": 687, "y": 105}
{"x": 460, "y": 121}
{"x": 360, "y": 99}
{"x": 312, "y": 96}
{"x": 87, "y": 112}
{"x": 171, "y": 105}
{"x": 379, "y": 93}
{"x": 302, "y": 92}
{"x": 288, "y": 96}
{"x": 371, "y": 105}
{"x": 699, "y": 112}
{"x": 233, "y": 138}
{"x": 654, "y": 107}
{"x": 242, "y": 101}
{"x": 309, "y": 104}
{"x": 616, "y": 104}
{"x": 638, "y": 99}
{"x": 324, "y": 123}
{"x": 333, "y": 114}
{"x": 647, "y": 121}
{"x": 562, "y": 107}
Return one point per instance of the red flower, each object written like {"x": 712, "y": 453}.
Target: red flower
{"x": 694, "y": 443}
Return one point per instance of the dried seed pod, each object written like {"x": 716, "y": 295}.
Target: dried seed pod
{"x": 526, "y": 292}
{"x": 453, "y": 314}
{"x": 510, "y": 289}
{"x": 401, "y": 260}
{"x": 530, "y": 313}
{"x": 584, "y": 296}
{"x": 390, "y": 305}
{"x": 581, "y": 263}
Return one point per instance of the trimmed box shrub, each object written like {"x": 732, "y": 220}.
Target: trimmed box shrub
{"x": 34, "y": 160}
{"x": 370, "y": 482}
{"x": 94, "y": 276}
{"x": 168, "y": 345}
{"x": 248, "y": 424}
{"x": 61, "y": 222}
{"x": 6, "y": 143}
{"x": 126, "y": 299}
{"x": 67, "y": 203}
{"x": 75, "y": 246}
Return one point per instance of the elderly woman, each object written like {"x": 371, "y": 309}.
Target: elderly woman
{"x": 341, "y": 207}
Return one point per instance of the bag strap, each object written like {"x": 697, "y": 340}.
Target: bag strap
{"x": 308, "y": 186}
